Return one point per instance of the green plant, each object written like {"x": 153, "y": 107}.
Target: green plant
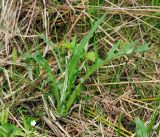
{"x": 29, "y": 123}
{"x": 11, "y": 130}
{"x": 155, "y": 2}
{"x": 7, "y": 129}
{"x": 66, "y": 91}
{"x": 141, "y": 129}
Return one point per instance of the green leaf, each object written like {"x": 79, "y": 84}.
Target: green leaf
{"x": 30, "y": 74}
{"x": 142, "y": 48}
{"x": 127, "y": 49}
{"x": 153, "y": 120}
{"x": 111, "y": 54}
{"x": 4, "y": 116}
{"x": 27, "y": 123}
{"x": 14, "y": 55}
{"x": 71, "y": 73}
{"x": 119, "y": 124}
{"x": 44, "y": 64}
{"x": 72, "y": 98}
{"x": 141, "y": 129}
{"x": 9, "y": 130}
{"x": 92, "y": 69}
{"x": 91, "y": 56}
{"x": 86, "y": 38}
{"x": 53, "y": 47}
{"x": 138, "y": 90}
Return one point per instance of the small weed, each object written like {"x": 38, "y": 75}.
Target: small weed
{"x": 66, "y": 94}
{"x": 7, "y": 129}
{"x": 11, "y": 130}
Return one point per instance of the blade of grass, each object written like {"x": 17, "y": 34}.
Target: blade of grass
{"x": 152, "y": 122}
{"x": 119, "y": 124}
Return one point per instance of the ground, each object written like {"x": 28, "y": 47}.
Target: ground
{"x": 88, "y": 68}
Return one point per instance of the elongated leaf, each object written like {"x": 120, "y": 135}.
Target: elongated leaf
{"x": 92, "y": 69}
{"x": 52, "y": 46}
{"x": 71, "y": 74}
{"x": 48, "y": 70}
{"x": 77, "y": 91}
{"x": 152, "y": 122}
{"x": 119, "y": 124}
{"x": 72, "y": 98}
{"x": 142, "y": 48}
{"x": 141, "y": 129}
{"x": 111, "y": 53}
{"x": 4, "y": 116}
{"x": 138, "y": 90}
{"x": 127, "y": 49}
{"x": 90, "y": 33}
